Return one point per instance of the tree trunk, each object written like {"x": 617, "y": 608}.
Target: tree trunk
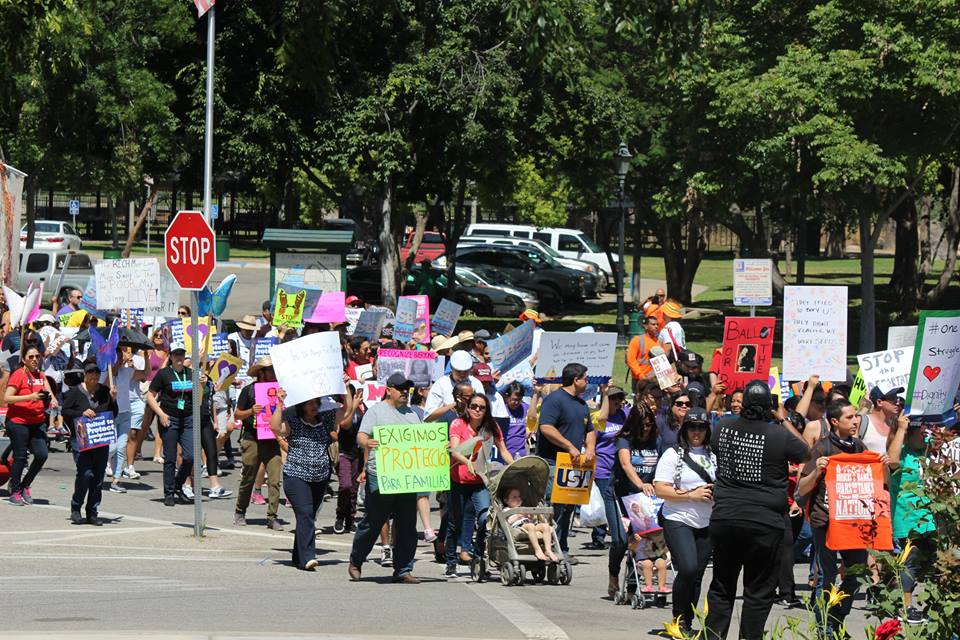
{"x": 682, "y": 259}
{"x": 905, "y": 278}
{"x": 635, "y": 292}
{"x": 951, "y": 234}
{"x": 420, "y": 225}
{"x": 837, "y": 240}
{"x": 868, "y": 309}
{"x": 389, "y": 256}
{"x": 453, "y": 237}
{"x": 132, "y": 236}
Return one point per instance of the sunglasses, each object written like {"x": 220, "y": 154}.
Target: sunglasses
{"x": 697, "y": 427}
{"x": 681, "y": 403}
{"x": 32, "y": 356}
{"x": 477, "y": 407}
{"x": 182, "y": 313}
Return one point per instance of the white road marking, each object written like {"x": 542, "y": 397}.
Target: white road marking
{"x": 527, "y": 619}
{"x": 67, "y": 556}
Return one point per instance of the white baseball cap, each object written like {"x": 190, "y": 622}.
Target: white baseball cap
{"x": 178, "y": 346}
{"x": 461, "y": 361}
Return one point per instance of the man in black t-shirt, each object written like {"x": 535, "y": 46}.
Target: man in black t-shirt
{"x": 750, "y": 496}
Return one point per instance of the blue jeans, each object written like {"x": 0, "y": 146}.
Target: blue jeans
{"x": 180, "y": 432}
{"x": 562, "y": 513}
{"x": 618, "y": 536}
{"x": 402, "y": 507}
{"x": 88, "y": 485}
{"x": 118, "y": 448}
{"x": 306, "y": 498}
{"x": 462, "y": 519}
{"x": 827, "y": 564}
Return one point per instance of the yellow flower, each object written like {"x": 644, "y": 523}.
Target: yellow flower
{"x": 907, "y": 548}
{"x": 835, "y": 596}
{"x": 673, "y": 629}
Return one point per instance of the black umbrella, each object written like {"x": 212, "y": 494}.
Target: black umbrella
{"x": 128, "y": 337}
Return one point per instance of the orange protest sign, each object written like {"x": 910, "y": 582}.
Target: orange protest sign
{"x": 859, "y": 505}
{"x": 571, "y": 482}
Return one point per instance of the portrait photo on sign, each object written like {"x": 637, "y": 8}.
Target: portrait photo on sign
{"x": 419, "y": 372}
{"x": 747, "y": 358}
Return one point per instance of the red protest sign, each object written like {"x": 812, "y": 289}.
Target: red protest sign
{"x": 747, "y": 350}
{"x": 859, "y": 505}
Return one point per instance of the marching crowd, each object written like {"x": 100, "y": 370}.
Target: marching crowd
{"x": 741, "y": 475}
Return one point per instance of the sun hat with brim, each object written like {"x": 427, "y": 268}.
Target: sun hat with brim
{"x": 672, "y": 310}
{"x": 439, "y": 343}
{"x": 265, "y": 362}
{"x": 530, "y": 314}
{"x": 46, "y": 317}
{"x": 248, "y": 322}
{"x": 464, "y": 336}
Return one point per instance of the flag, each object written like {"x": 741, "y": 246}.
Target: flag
{"x": 105, "y": 350}
{"x": 203, "y": 6}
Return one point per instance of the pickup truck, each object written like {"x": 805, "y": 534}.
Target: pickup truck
{"x": 431, "y": 247}
{"x": 45, "y": 265}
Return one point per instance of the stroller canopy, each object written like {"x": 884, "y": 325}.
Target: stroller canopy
{"x": 529, "y": 474}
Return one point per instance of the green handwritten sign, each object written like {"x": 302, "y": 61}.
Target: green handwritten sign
{"x": 859, "y": 389}
{"x": 412, "y": 458}
{"x": 288, "y": 310}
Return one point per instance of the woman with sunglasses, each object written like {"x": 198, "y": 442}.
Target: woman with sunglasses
{"x": 183, "y": 311}
{"x": 684, "y": 479}
{"x": 466, "y": 486}
{"x": 670, "y": 423}
{"x": 27, "y": 395}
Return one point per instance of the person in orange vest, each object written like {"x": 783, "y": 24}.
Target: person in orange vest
{"x": 638, "y": 351}
{"x": 653, "y": 306}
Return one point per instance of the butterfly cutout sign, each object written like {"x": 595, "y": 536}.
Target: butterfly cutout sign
{"x": 105, "y": 350}
{"x": 22, "y": 308}
{"x": 288, "y": 310}
{"x": 214, "y": 303}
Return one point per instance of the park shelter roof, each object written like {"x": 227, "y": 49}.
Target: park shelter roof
{"x": 335, "y": 241}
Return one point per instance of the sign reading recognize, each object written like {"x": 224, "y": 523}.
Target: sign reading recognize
{"x": 746, "y": 352}
{"x": 412, "y": 458}
{"x": 815, "y": 333}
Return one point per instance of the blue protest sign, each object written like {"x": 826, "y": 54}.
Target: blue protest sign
{"x": 403, "y": 325}
{"x": 98, "y": 431}
{"x": 445, "y": 318}
{"x": 512, "y": 348}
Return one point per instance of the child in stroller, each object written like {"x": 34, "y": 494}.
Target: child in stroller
{"x": 535, "y": 527}
{"x": 649, "y": 552}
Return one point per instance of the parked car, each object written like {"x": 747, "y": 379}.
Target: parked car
{"x": 487, "y": 278}
{"x": 431, "y": 247}
{"x": 42, "y": 265}
{"x": 570, "y": 243}
{"x": 530, "y": 270}
{"x": 52, "y": 234}
{"x": 595, "y": 272}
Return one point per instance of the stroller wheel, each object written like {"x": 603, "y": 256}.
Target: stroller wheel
{"x": 506, "y": 574}
{"x": 636, "y": 601}
{"x": 539, "y": 573}
{"x": 553, "y": 573}
{"x": 618, "y": 598}
{"x": 476, "y": 569}
{"x": 566, "y": 573}
{"x": 518, "y": 574}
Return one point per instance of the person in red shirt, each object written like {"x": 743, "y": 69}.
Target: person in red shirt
{"x": 27, "y": 396}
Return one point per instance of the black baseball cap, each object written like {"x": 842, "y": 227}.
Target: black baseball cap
{"x": 399, "y": 381}
{"x": 876, "y": 394}
{"x": 691, "y": 358}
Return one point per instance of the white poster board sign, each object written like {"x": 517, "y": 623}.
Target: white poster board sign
{"x": 168, "y": 296}
{"x": 935, "y": 374}
{"x": 558, "y": 349}
{"x": 752, "y": 282}
{"x": 886, "y": 369}
{"x": 666, "y": 376}
{"x": 309, "y": 367}
{"x": 814, "y": 332}
{"x": 130, "y": 283}
{"x": 320, "y": 270}
{"x": 900, "y": 337}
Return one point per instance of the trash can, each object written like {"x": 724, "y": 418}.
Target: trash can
{"x": 223, "y": 249}
{"x": 634, "y": 328}
{"x": 112, "y": 254}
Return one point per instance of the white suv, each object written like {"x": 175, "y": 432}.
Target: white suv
{"x": 52, "y": 234}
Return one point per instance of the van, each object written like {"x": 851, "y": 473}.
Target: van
{"x": 43, "y": 265}
{"x": 569, "y": 243}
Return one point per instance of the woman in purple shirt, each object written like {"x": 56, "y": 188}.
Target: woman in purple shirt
{"x": 516, "y": 434}
{"x": 608, "y": 422}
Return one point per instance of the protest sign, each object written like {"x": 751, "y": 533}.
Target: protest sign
{"x": 175, "y": 327}
{"x": 131, "y": 318}
{"x": 309, "y": 367}
{"x": 859, "y": 506}
{"x": 642, "y": 510}
{"x": 558, "y": 349}
{"x": 363, "y": 372}
{"x": 288, "y": 309}
{"x": 815, "y": 333}
{"x": 225, "y": 369}
{"x": 522, "y": 373}
{"x": 311, "y": 294}
{"x": 218, "y": 344}
{"x": 746, "y": 352}
{"x": 421, "y": 327}
{"x": 776, "y": 385}
{"x": 935, "y": 374}
{"x": 572, "y": 482}
{"x": 899, "y": 337}
{"x": 421, "y": 367}
{"x": 886, "y": 369}
{"x": 203, "y": 332}
{"x": 405, "y": 322}
{"x": 859, "y": 389}
{"x": 168, "y": 296}
{"x": 666, "y": 375}
{"x": 373, "y": 392}
{"x": 370, "y": 324}
{"x": 88, "y": 302}
{"x": 352, "y": 314}
{"x": 329, "y": 308}
{"x": 446, "y": 316}
{"x": 129, "y": 283}
{"x": 265, "y": 395}
{"x": 261, "y": 347}
{"x": 72, "y": 319}
{"x": 752, "y": 282}
{"x": 512, "y": 348}
{"x": 98, "y": 431}
{"x": 412, "y": 458}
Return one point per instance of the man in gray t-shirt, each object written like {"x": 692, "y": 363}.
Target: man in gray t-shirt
{"x": 402, "y": 507}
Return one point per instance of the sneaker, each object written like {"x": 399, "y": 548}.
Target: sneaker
{"x": 130, "y": 473}
{"x": 352, "y": 527}
{"x": 187, "y": 490}
{"x": 182, "y": 498}
{"x": 258, "y": 499}
{"x": 311, "y": 565}
{"x": 338, "y": 526}
{"x": 274, "y": 525}
{"x": 915, "y": 616}
{"x": 16, "y": 498}
{"x": 386, "y": 557}
{"x": 27, "y": 498}
{"x": 116, "y": 487}
{"x": 170, "y": 501}
{"x": 569, "y": 558}
{"x": 76, "y": 518}
{"x": 203, "y": 472}
{"x": 239, "y": 519}
{"x": 219, "y": 492}
{"x": 450, "y": 571}
{"x": 429, "y": 535}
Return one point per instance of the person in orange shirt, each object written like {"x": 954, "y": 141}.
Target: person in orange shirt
{"x": 653, "y": 306}
{"x": 638, "y": 351}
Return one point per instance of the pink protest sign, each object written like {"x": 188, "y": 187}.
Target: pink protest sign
{"x": 265, "y": 394}
{"x": 330, "y": 308}
{"x": 423, "y": 319}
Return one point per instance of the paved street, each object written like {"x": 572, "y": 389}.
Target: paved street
{"x": 144, "y": 573}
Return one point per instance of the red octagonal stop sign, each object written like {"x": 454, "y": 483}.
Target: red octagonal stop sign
{"x": 190, "y": 250}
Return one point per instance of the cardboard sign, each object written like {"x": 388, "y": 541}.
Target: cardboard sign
{"x": 421, "y": 367}
{"x": 329, "y": 308}
{"x": 886, "y": 369}
{"x": 311, "y": 294}
{"x": 900, "y": 337}
{"x": 572, "y": 483}
{"x": 370, "y": 324}
{"x": 168, "y": 296}
{"x": 225, "y": 369}
{"x": 412, "y": 458}
{"x": 666, "y": 375}
{"x": 935, "y": 374}
{"x": 752, "y": 282}
{"x": 593, "y": 350}
{"x": 96, "y": 432}
{"x": 203, "y": 332}
{"x": 405, "y": 323}
{"x": 288, "y": 309}
{"x": 309, "y": 367}
{"x": 859, "y": 505}
{"x": 815, "y": 332}
{"x": 129, "y": 283}
{"x": 352, "y": 314}
{"x": 261, "y": 347}
{"x": 512, "y": 348}
{"x": 265, "y": 394}
{"x": 642, "y": 510}
{"x": 445, "y": 318}
{"x": 746, "y": 352}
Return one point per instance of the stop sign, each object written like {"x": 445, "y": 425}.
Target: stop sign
{"x": 189, "y": 250}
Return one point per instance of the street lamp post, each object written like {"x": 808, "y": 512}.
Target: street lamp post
{"x": 622, "y": 159}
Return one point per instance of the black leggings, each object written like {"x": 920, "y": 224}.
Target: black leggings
{"x": 690, "y": 551}
{"x": 208, "y": 441}
{"x": 23, "y": 437}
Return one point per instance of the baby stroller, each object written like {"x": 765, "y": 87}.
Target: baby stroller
{"x": 511, "y": 554}
{"x": 651, "y": 545}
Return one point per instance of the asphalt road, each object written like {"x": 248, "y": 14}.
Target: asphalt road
{"x": 145, "y": 575}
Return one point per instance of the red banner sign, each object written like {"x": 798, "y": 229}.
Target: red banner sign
{"x": 747, "y": 350}
{"x": 859, "y": 505}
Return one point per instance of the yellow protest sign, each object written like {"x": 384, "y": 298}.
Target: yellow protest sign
{"x": 203, "y": 329}
{"x": 288, "y": 309}
{"x": 572, "y": 482}
{"x": 224, "y": 370}
{"x": 773, "y": 381}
